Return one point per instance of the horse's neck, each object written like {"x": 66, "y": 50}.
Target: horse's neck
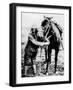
{"x": 55, "y": 30}
{"x": 50, "y": 32}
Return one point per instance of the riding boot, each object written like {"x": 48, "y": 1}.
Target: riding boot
{"x": 26, "y": 68}
{"x": 34, "y": 66}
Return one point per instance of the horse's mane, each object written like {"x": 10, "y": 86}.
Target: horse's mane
{"x": 59, "y": 28}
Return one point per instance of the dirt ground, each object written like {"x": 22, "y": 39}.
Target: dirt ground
{"x": 40, "y": 68}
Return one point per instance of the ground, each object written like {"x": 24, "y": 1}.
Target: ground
{"x": 40, "y": 68}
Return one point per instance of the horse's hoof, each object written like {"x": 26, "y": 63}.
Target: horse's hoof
{"x": 45, "y": 72}
{"x": 33, "y": 74}
{"x": 54, "y": 71}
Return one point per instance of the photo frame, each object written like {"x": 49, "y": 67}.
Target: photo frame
{"x": 40, "y": 44}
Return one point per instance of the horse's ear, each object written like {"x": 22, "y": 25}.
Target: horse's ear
{"x": 49, "y": 18}
{"x": 44, "y": 17}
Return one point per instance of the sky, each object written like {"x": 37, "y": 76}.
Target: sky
{"x": 34, "y": 20}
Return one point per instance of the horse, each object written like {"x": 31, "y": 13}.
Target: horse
{"x": 54, "y": 31}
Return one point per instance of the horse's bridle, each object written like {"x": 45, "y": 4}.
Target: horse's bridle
{"x": 48, "y": 29}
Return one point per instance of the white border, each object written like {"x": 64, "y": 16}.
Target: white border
{"x": 19, "y": 79}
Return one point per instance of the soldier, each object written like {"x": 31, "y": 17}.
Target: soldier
{"x": 35, "y": 40}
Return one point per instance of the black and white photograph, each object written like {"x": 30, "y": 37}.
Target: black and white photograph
{"x": 42, "y": 46}
{"x": 40, "y": 41}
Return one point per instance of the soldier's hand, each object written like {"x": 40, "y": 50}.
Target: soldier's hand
{"x": 46, "y": 43}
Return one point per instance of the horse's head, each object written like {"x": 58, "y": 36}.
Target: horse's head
{"x": 46, "y": 23}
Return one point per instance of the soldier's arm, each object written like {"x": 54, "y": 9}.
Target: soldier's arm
{"x": 37, "y": 42}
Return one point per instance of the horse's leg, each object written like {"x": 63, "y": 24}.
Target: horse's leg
{"x": 48, "y": 60}
{"x": 46, "y": 54}
{"x": 56, "y": 59}
{"x": 49, "y": 55}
